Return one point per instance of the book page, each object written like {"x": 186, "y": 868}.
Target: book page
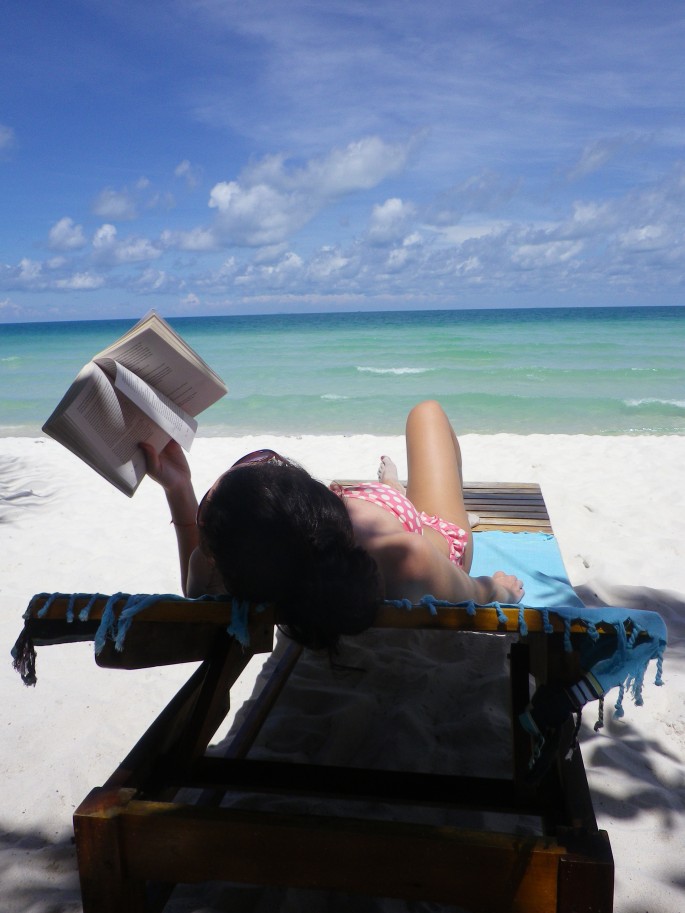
{"x": 156, "y": 353}
{"x": 104, "y": 428}
{"x": 173, "y": 420}
{"x": 154, "y": 391}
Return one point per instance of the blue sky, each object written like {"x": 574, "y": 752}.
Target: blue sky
{"x": 212, "y": 156}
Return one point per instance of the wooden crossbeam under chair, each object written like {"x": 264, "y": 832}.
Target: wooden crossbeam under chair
{"x": 135, "y": 839}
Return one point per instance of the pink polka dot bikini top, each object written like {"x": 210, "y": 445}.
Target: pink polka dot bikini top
{"x": 390, "y": 499}
{"x": 412, "y": 520}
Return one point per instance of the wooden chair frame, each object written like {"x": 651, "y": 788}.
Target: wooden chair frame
{"x": 135, "y": 839}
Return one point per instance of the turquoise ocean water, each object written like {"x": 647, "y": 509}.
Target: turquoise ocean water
{"x": 572, "y": 371}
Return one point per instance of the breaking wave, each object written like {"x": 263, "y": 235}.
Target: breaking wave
{"x": 369, "y": 370}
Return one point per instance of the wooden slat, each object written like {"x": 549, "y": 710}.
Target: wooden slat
{"x": 519, "y": 525}
{"x": 485, "y": 873}
{"x": 509, "y": 486}
{"x": 511, "y": 507}
{"x": 498, "y": 506}
{"x": 212, "y": 612}
{"x": 362, "y": 784}
{"x": 454, "y": 618}
{"x": 167, "y": 631}
{"x": 499, "y": 503}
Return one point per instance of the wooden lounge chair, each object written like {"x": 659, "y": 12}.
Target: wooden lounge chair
{"x": 136, "y": 838}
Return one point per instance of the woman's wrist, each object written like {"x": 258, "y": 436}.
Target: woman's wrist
{"x": 182, "y": 506}
{"x": 500, "y": 593}
{"x": 484, "y": 590}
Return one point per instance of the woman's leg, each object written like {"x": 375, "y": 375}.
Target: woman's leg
{"x": 435, "y": 484}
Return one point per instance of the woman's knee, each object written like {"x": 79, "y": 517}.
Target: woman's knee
{"x": 428, "y": 427}
{"x": 427, "y": 411}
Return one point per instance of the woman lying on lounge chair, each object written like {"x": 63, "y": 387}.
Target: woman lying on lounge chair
{"x": 266, "y": 531}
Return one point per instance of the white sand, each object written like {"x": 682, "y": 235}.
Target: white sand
{"x": 617, "y": 508}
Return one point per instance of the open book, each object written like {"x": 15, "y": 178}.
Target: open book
{"x": 147, "y": 386}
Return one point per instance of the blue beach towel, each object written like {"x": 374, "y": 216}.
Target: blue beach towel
{"x": 532, "y": 557}
{"x": 536, "y": 560}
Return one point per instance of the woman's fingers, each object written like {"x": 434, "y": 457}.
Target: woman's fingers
{"x": 512, "y": 584}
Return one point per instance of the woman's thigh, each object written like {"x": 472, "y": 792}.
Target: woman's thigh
{"x": 434, "y": 473}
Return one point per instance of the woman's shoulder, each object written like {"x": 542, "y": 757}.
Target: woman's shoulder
{"x": 406, "y": 550}
{"x": 404, "y": 560}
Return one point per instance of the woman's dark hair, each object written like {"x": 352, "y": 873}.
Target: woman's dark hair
{"x": 278, "y": 535}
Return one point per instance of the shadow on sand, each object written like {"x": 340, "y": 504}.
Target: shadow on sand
{"x": 37, "y": 873}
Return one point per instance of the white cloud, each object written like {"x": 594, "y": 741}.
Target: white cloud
{"x": 397, "y": 259}
{"x": 270, "y": 254}
{"x": 29, "y": 271}
{"x": 125, "y": 204}
{"x": 646, "y": 237}
{"x": 29, "y": 275}
{"x": 588, "y": 212}
{"x": 290, "y": 264}
{"x": 155, "y": 280}
{"x": 410, "y": 253}
{"x": 413, "y": 239}
{"x": 160, "y": 200}
{"x": 272, "y": 200}
{"x": 389, "y": 220}
{"x": 589, "y": 241}
{"x": 189, "y": 173}
{"x": 104, "y": 237}
{"x": 8, "y": 306}
{"x": 360, "y": 165}
{"x": 79, "y": 282}
{"x": 328, "y": 264}
{"x": 597, "y": 154}
{"x": 545, "y": 253}
{"x": 277, "y": 275}
{"x": 259, "y": 215}
{"x": 221, "y": 278}
{"x": 115, "y": 204}
{"x": 136, "y": 250}
{"x": 108, "y": 249}
{"x": 457, "y": 234}
{"x": 197, "y": 239}
{"x": 26, "y": 275}
{"x": 65, "y": 235}
{"x": 484, "y": 192}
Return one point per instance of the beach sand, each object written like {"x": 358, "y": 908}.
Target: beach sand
{"x": 616, "y": 505}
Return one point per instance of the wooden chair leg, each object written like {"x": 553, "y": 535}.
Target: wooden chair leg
{"x": 519, "y": 665}
{"x": 106, "y": 886}
{"x": 586, "y": 877}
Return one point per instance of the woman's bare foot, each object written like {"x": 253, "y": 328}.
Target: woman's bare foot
{"x": 387, "y": 473}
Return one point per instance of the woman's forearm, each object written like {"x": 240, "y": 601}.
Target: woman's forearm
{"x": 411, "y": 568}
{"x": 170, "y": 469}
{"x": 481, "y": 590}
{"x": 183, "y": 509}
{"x": 487, "y": 589}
